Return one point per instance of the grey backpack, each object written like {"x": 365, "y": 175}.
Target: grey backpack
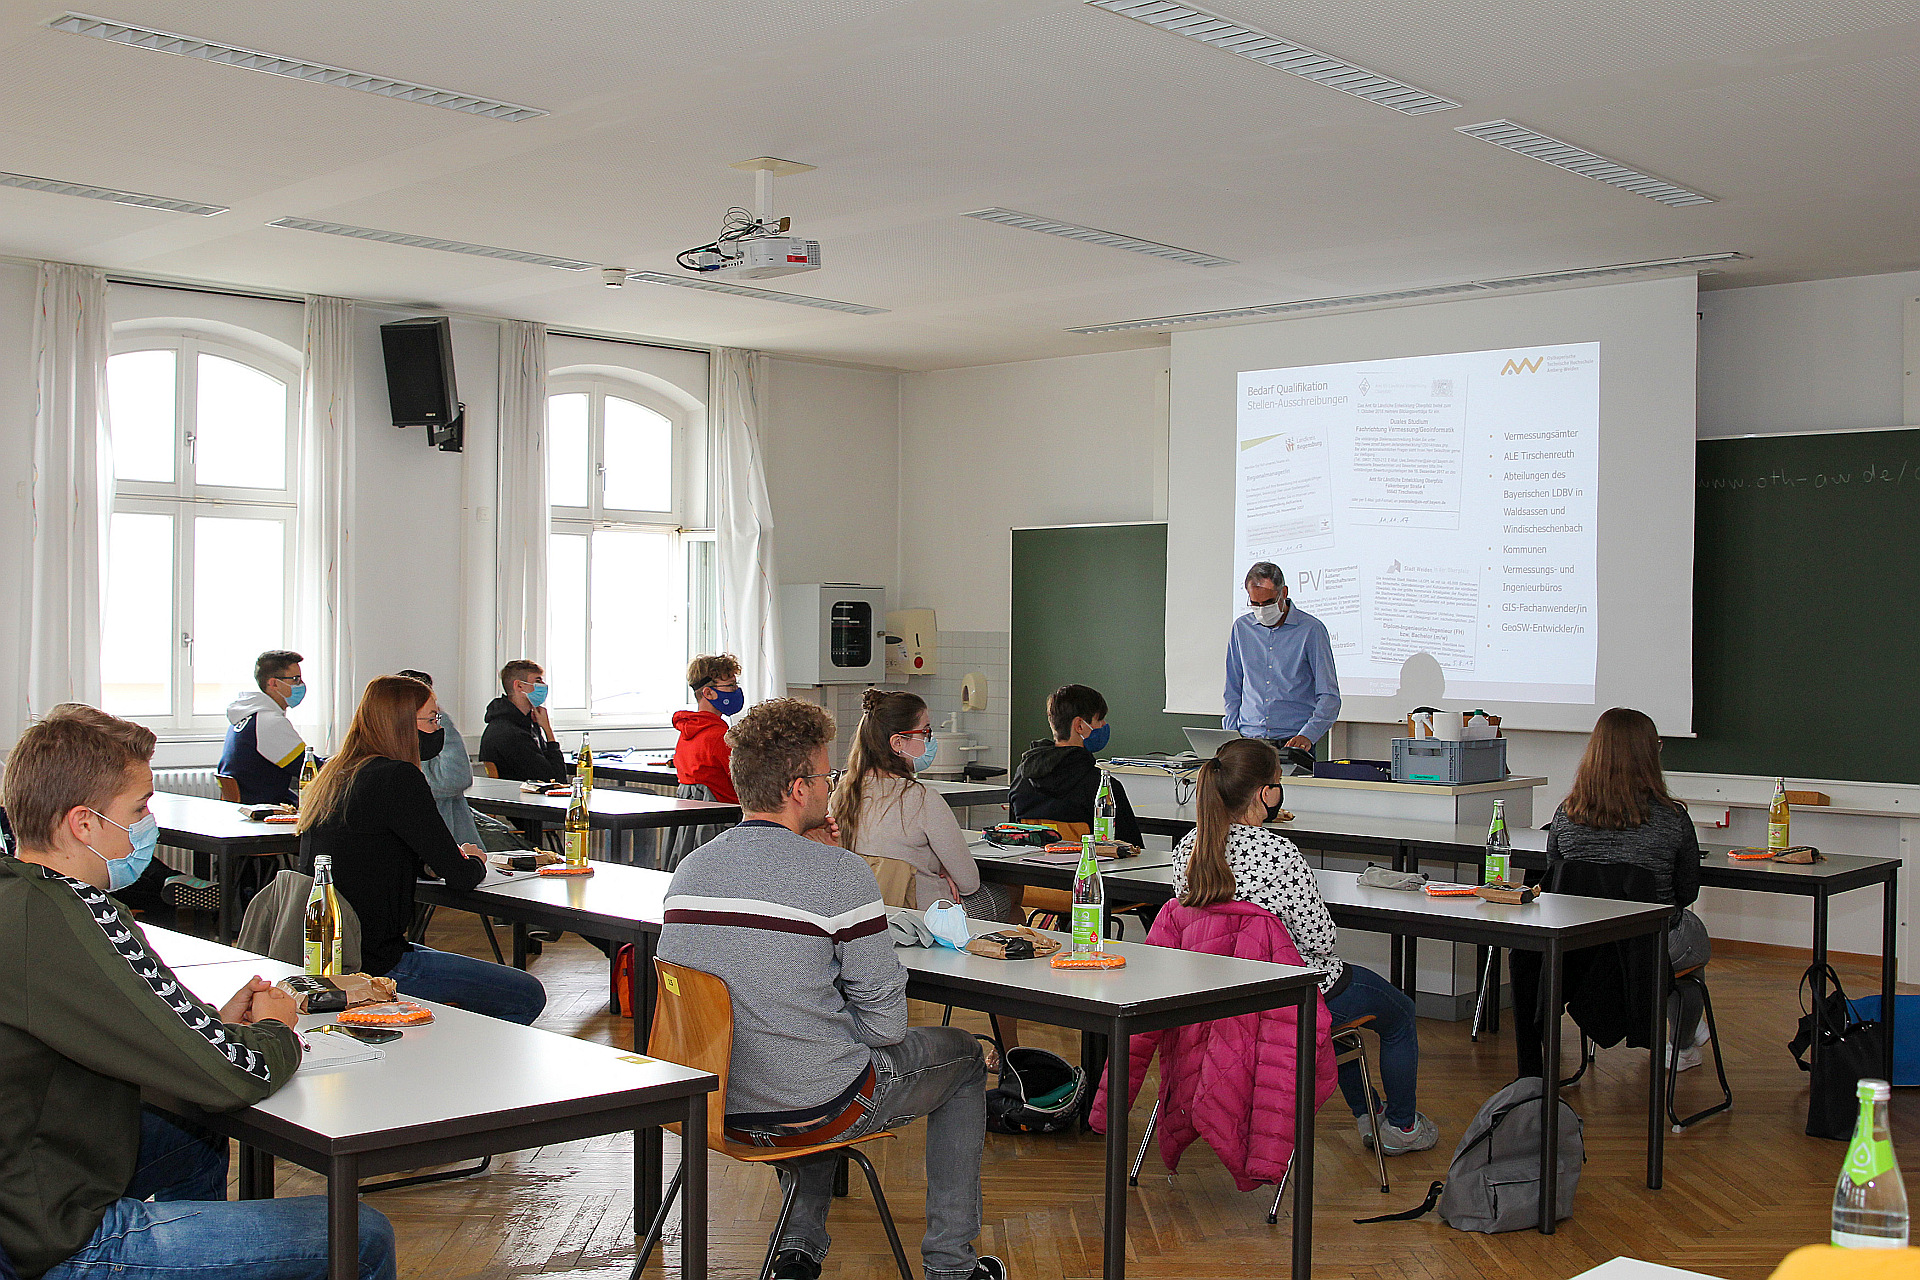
{"x": 1493, "y": 1183}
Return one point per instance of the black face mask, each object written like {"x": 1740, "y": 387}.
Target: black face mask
{"x": 430, "y": 744}
{"x": 1273, "y": 810}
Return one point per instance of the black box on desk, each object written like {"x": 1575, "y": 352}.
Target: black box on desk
{"x": 1450, "y": 764}
{"x": 1355, "y": 770}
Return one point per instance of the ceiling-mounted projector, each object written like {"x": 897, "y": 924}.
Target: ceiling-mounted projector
{"x": 755, "y": 245}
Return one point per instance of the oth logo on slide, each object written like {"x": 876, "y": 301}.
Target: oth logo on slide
{"x": 1522, "y": 366}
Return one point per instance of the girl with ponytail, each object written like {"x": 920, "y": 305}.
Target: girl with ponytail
{"x": 1231, "y": 854}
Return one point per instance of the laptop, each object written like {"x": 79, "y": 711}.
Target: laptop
{"x": 1206, "y": 742}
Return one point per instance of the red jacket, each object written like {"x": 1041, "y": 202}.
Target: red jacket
{"x": 701, "y": 758}
{"x": 1229, "y": 1081}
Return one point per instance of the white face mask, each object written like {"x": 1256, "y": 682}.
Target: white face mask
{"x": 1268, "y": 614}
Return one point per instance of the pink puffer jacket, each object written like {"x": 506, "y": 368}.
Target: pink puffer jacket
{"x": 1229, "y": 1081}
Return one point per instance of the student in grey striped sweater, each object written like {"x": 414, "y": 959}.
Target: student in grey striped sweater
{"x": 821, "y": 1047}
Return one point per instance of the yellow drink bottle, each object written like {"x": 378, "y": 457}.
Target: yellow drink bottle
{"x": 577, "y": 826}
{"x": 1777, "y": 819}
{"x": 323, "y": 922}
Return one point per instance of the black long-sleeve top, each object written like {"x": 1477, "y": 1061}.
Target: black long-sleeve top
{"x": 513, "y": 744}
{"x": 387, "y": 830}
{"x": 1665, "y": 844}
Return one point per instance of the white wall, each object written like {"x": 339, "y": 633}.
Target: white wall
{"x": 1078, "y": 440}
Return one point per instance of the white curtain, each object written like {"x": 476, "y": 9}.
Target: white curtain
{"x": 72, "y": 488}
{"x": 520, "y": 603}
{"x": 323, "y": 622}
{"x": 749, "y": 595}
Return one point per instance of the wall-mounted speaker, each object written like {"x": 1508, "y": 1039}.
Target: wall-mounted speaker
{"x": 420, "y": 385}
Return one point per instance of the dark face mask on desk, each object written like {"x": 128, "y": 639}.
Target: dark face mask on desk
{"x": 430, "y": 744}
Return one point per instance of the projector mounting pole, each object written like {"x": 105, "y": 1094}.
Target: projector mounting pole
{"x": 765, "y": 169}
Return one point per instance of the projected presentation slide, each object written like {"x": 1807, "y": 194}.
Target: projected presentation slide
{"x": 1432, "y": 504}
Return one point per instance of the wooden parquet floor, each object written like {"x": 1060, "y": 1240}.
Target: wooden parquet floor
{"x": 1742, "y": 1189}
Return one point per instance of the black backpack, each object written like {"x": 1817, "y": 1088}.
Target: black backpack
{"x": 1039, "y": 1092}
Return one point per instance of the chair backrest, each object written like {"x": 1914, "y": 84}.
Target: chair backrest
{"x": 489, "y": 768}
{"x": 229, "y": 789}
{"x": 898, "y": 885}
{"x": 1621, "y": 881}
{"x": 1067, "y": 830}
{"x": 693, "y": 1026}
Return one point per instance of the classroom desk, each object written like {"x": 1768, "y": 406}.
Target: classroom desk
{"x": 1554, "y": 925}
{"x": 1159, "y": 988}
{"x": 619, "y": 812}
{"x": 658, "y": 771}
{"x": 215, "y": 827}
{"x": 1406, "y": 844}
{"x": 518, "y": 1088}
{"x": 182, "y": 950}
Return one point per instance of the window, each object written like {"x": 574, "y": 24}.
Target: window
{"x": 200, "y": 548}
{"x": 629, "y": 586}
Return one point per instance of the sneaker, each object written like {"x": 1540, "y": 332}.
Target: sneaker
{"x": 1685, "y": 1060}
{"x": 989, "y": 1268}
{"x": 1421, "y": 1135}
{"x": 1365, "y": 1125}
{"x": 791, "y": 1264}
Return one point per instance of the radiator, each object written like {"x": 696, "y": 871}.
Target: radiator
{"x": 185, "y": 782}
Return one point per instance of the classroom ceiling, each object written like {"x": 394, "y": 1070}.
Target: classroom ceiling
{"x": 1801, "y": 119}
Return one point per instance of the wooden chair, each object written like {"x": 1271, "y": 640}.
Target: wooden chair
{"x": 693, "y": 1026}
{"x": 229, "y": 789}
{"x": 1347, "y": 1047}
{"x": 487, "y": 767}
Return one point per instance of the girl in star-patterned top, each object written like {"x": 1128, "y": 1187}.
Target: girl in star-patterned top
{"x": 1231, "y": 854}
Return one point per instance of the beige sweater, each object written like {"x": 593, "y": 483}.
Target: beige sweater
{"x": 904, "y": 820}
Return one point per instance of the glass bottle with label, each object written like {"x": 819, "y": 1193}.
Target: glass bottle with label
{"x": 1104, "y": 810}
{"x": 577, "y": 825}
{"x": 1499, "y": 860}
{"x": 1870, "y": 1200}
{"x": 1778, "y": 819}
{"x": 583, "y": 764}
{"x": 1089, "y": 901}
{"x": 323, "y": 957}
{"x": 309, "y": 770}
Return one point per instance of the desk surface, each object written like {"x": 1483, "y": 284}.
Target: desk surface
{"x": 657, "y": 770}
{"x": 607, "y": 807}
{"x": 196, "y": 822}
{"x": 183, "y": 950}
{"x": 1185, "y": 768}
{"x": 505, "y": 1074}
{"x": 1156, "y": 979}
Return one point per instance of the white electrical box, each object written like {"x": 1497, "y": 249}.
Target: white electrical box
{"x": 835, "y": 633}
{"x": 913, "y": 643}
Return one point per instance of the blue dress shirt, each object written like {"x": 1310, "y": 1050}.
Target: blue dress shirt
{"x": 1280, "y": 680}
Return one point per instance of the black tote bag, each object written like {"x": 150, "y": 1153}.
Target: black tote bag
{"x": 1849, "y": 1049}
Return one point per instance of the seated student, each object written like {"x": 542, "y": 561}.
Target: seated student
{"x": 443, "y": 758}
{"x": 1231, "y": 854}
{"x": 1059, "y": 779}
{"x": 518, "y": 740}
{"x": 1618, "y": 811}
{"x": 797, "y": 931}
{"x": 90, "y": 1182}
{"x": 372, "y": 811}
{"x": 700, "y": 757}
{"x": 263, "y": 750}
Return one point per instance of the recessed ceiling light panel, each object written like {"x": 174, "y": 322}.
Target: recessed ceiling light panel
{"x": 1092, "y": 235}
{"x": 1412, "y": 295}
{"x": 1282, "y": 55}
{"x": 1553, "y": 151}
{"x": 82, "y": 24}
{"x": 429, "y": 242}
{"x": 53, "y": 186}
{"x": 765, "y": 295}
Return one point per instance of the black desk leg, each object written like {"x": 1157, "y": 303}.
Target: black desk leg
{"x": 1307, "y": 1014}
{"x": 693, "y": 1190}
{"x": 256, "y": 1173}
{"x": 1118, "y": 1061}
{"x": 519, "y": 945}
{"x": 229, "y": 872}
{"x": 1889, "y": 922}
{"x": 1657, "y": 1061}
{"x": 1819, "y": 971}
{"x": 1550, "y": 1091}
{"x": 343, "y": 1218}
{"x": 1093, "y": 1058}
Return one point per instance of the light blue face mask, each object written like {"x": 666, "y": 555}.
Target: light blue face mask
{"x": 537, "y": 696}
{"x": 123, "y": 871}
{"x": 925, "y": 759}
{"x": 1096, "y": 741}
{"x": 295, "y": 694}
{"x": 948, "y": 920}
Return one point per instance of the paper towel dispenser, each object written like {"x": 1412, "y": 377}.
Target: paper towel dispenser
{"x": 834, "y": 633}
{"x": 913, "y": 643}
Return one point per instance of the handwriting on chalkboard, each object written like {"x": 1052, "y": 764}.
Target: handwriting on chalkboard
{"x": 1871, "y": 474}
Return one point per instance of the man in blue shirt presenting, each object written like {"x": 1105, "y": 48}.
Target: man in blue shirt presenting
{"x": 1280, "y": 679}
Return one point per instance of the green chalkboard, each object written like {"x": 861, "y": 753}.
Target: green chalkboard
{"x": 1806, "y": 638}
{"x": 1089, "y": 607}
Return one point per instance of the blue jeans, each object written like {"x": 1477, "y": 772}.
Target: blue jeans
{"x": 188, "y": 1230}
{"x": 480, "y": 986}
{"x": 1369, "y": 993}
{"x": 939, "y": 1073}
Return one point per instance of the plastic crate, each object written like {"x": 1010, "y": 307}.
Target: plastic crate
{"x": 1449, "y": 764}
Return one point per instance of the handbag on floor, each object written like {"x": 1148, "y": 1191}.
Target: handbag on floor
{"x": 1039, "y": 1092}
{"x": 1850, "y": 1047}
